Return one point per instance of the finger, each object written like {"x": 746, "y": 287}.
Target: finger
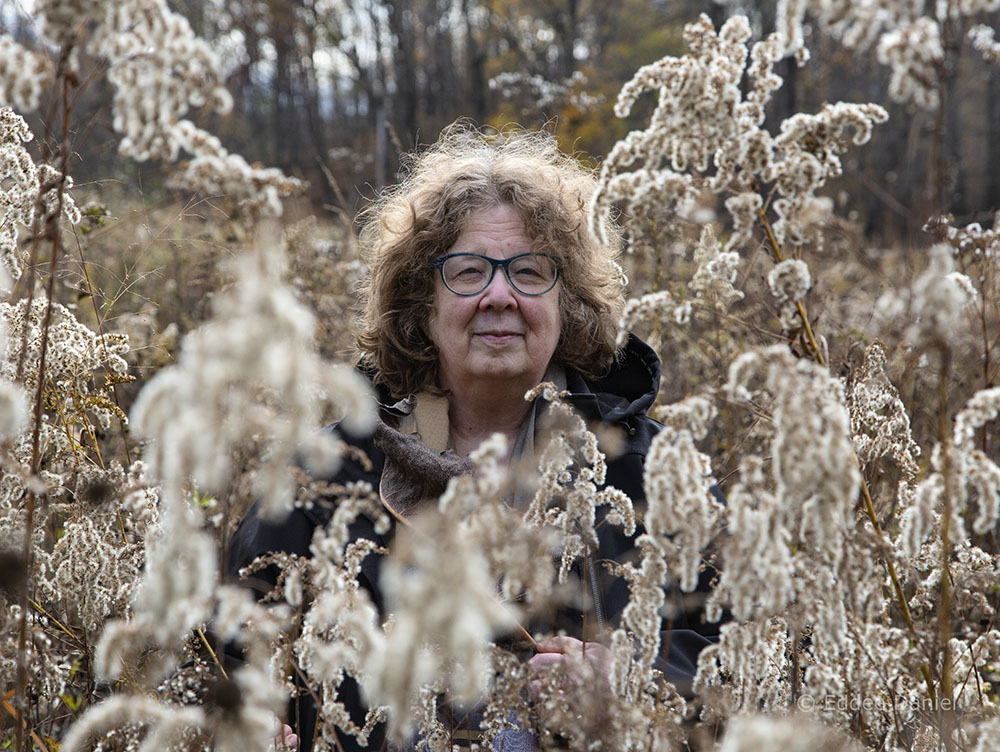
{"x": 560, "y": 644}
{"x": 291, "y": 739}
{"x": 546, "y": 661}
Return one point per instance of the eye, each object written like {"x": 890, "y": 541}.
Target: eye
{"x": 536, "y": 268}
{"x": 466, "y": 270}
{"x": 528, "y": 272}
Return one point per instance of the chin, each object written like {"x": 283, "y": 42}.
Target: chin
{"x": 500, "y": 369}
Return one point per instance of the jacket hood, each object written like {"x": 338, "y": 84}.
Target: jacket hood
{"x": 627, "y": 391}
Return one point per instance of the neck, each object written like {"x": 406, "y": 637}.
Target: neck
{"x": 475, "y": 415}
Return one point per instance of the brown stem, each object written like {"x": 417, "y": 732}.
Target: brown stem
{"x": 22, "y": 724}
{"x": 528, "y": 638}
{"x": 987, "y": 347}
{"x": 52, "y": 234}
{"x": 319, "y": 704}
{"x": 104, "y": 344}
{"x": 944, "y": 609}
{"x": 925, "y": 670}
{"x": 211, "y": 652}
{"x": 800, "y": 307}
{"x": 66, "y": 630}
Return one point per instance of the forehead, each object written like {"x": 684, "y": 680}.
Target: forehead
{"x": 498, "y": 232}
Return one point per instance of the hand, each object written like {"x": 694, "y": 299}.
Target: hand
{"x": 567, "y": 654}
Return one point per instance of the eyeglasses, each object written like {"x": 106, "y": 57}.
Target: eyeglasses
{"x": 471, "y": 273}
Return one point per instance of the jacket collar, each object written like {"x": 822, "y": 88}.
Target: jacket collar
{"x": 627, "y": 390}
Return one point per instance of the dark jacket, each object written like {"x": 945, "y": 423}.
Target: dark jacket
{"x": 619, "y": 400}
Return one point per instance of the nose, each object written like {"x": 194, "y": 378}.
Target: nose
{"x": 499, "y": 294}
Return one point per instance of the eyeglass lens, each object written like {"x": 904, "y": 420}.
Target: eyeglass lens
{"x": 468, "y": 274}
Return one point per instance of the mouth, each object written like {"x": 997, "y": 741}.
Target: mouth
{"x": 497, "y": 336}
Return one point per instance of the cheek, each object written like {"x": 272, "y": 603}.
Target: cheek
{"x": 563, "y": 317}
{"x": 448, "y": 319}
{"x": 556, "y": 313}
{"x": 548, "y": 324}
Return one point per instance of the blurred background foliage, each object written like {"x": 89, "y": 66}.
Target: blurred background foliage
{"x": 334, "y": 90}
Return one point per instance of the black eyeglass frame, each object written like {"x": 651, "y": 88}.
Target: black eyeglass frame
{"x": 504, "y": 264}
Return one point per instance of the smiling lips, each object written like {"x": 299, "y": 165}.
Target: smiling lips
{"x": 497, "y": 335}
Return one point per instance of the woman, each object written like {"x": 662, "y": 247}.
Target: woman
{"x": 486, "y": 279}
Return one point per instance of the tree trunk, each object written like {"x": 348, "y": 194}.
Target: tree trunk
{"x": 404, "y": 62}
{"x": 475, "y": 57}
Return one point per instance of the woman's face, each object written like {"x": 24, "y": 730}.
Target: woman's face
{"x": 499, "y": 334}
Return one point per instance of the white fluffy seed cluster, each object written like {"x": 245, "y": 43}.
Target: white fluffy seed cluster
{"x": 660, "y": 306}
{"x": 13, "y": 405}
{"x": 712, "y": 283}
{"x": 747, "y": 666}
{"x": 880, "y": 425}
{"x": 984, "y": 40}
{"x": 168, "y": 722}
{"x": 175, "y": 594}
{"x": 681, "y": 512}
{"x": 681, "y": 517}
{"x": 93, "y": 570}
{"x": 813, "y": 458}
{"x": 250, "y": 374}
{"x": 789, "y": 282}
{"x": 48, "y": 670}
{"x": 572, "y": 470}
{"x": 788, "y": 535}
{"x": 17, "y": 201}
{"x": 23, "y": 180}
{"x": 340, "y": 634}
{"x": 439, "y": 588}
{"x": 74, "y": 354}
{"x": 248, "y": 727}
{"x": 752, "y": 733}
{"x": 216, "y": 171}
{"x": 655, "y": 707}
{"x": 907, "y": 40}
{"x": 913, "y": 52}
{"x": 62, "y": 22}
{"x": 939, "y": 298}
{"x": 797, "y": 563}
{"x": 22, "y": 75}
{"x": 808, "y": 149}
{"x": 642, "y": 620}
{"x": 705, "y": 131}
{"x": 75, "y": 403}
{"x": 978, "y": 475}
{"x": 483, "y": 507}
{"x": 974, "y": 243}
{"x": 698, "y": 98}
{"x": 179, "y": 591}
{"x": 160, "y": 71}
